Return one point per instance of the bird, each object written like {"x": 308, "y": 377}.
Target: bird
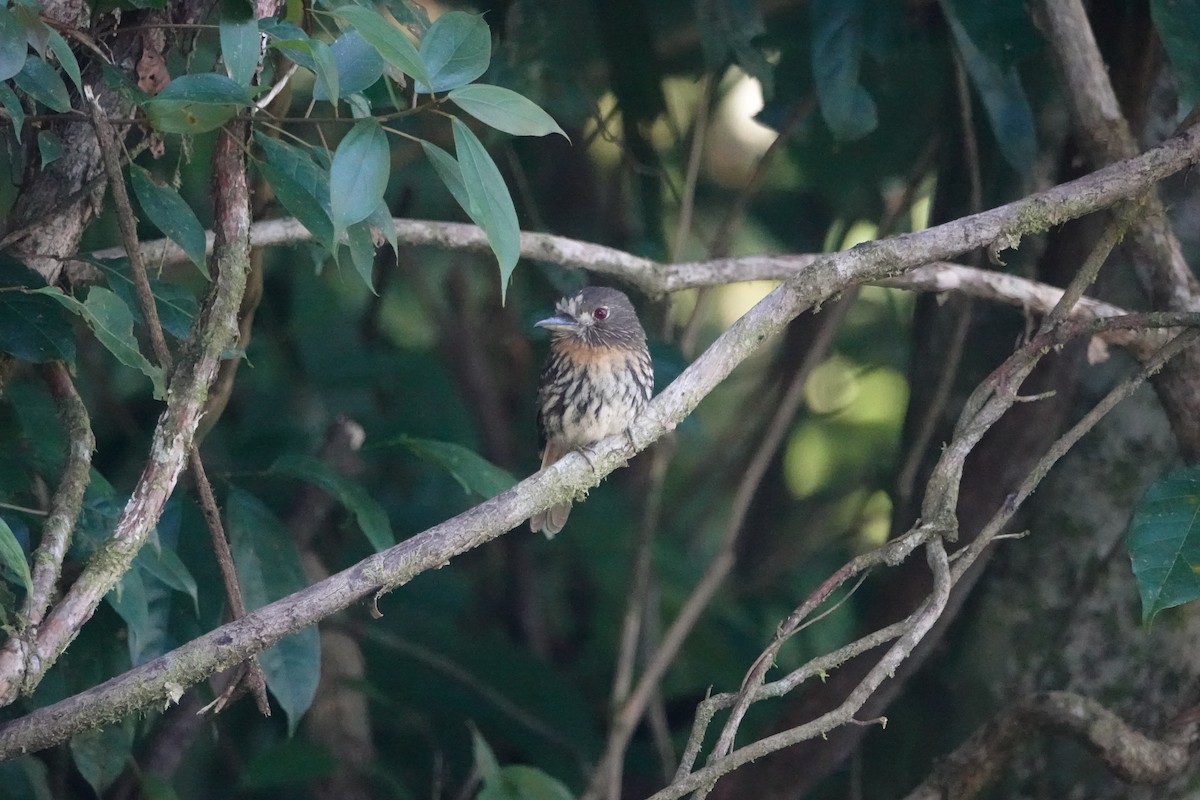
{"x": 597, "y": 379}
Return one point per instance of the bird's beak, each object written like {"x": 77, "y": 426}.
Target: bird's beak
{"x": 559, "y": 322}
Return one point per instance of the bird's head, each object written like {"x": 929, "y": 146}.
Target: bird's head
{"x": 598, "y": 316}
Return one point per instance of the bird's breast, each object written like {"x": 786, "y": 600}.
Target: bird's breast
{"x": 590, "y": 393}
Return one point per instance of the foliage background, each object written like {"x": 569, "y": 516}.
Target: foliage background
{"x": 515, "y": 643}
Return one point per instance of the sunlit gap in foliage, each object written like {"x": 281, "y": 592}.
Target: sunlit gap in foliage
{"x": 839, "y": 453}
{"x": 735, "y": 141}
{"x": 919, "y": 213}
{"x": 603, "y": 132}
{"x": 844, "y": 446}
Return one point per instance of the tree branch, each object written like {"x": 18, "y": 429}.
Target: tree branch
{"x": 1106, "y": 138}
{"x": 917, "y": 259}
{"x": 214, "y": 333}
{"x": 155, "y": 682}
{"x": 64, "y": 507}
{"x": 1129, "y": 754}
{"x": 991, "y": 399}
{"x": 915, "y": 628}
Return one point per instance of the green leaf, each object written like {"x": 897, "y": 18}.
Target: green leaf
{"x": 32, "y": 328}
{"x": 381, "y": 220}
{"x": 362, "y": 252}
{"x": 239, "y": 41}
{"x": 358, "y": 65}
{"x": 111, "y": 321}
{"x": 43, "y": 442}
{"x": 1003, "y": 29}
{"x": 472, "y": 471}
{"x": 299, "y": 202}
{"x": 205, "y": 88}
{"x": 300, "y": 185}
{"x": 37, "y": 32}
{"x": 456, "y": 50}
{"x": 128, "y": 598}
{"x": 523, "y": 783}
{"x": 1178, "y": 24}
{"x": 485, "y": 760}
{"x": 66, "y": 58}
{"x": 268, "y": 568}
{"x": 164, "y": 565}
{"x": 360, "y": 106}
{"x": 1003, "y": 98}
{"x": 298, "y": 50}
{"x": 1164, "y": 542}
{"x": 173, "y": 116}
{"x": 505, "y": 110}
{"x": 358, "y": 176}
{"x": 12, "y": 104}
{"x": 447, "y": 169}
{"x": 176, "y": 305}
{"x": 143, "y": 596}
{"x": 282, "y": 30}
{"x": 156, "y": 787}
{"x": 196, "y": 103}
{"x": 12, "y": 44}
{"x": 369, "y": 515}
{"x": 837, "y": 36}
{"x": 42, "y": 82}
{"x": 730, "y": 27}
{"x": 298, "y": 164}
{"x": 290, "y": 763}
{"x": 49, "y": 147}
{"x": 120, "y": 83}
{"x": 491, "y": 206}
{"x": 388, "y": 40}
{"x": 12, "y": 557}
{"x": 171, "y": 214}
{"x": 101, "y": 754}
{"x": 328, "y": 81}
{"x": 24, "y": 778}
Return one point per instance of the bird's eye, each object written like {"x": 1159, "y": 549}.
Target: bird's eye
{"x": 600, "y": 313}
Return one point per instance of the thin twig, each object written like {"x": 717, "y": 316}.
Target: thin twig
{"x": 914, "y": 629}
{"x": 127, "y": 221}
{"x": 68, "y": 499}
{"x": 33, "y": 512}
{"x": 891, "y": 553}
{"x": 968, "y": 555}
{"x": 1122, "y": 217}
{"x": 405, "y": 647}
{"x": 257, "y": 681}
{"x": 695, "y": 157}
{"x": 931, "y": 412}
{"x": 279, "y": 86}
{"x": 723, "y": 240}
{"x": 635, "y": 613}
{"x": 1004, "y": 378}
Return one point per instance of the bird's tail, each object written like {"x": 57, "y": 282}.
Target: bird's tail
{"x": 552, "y": 520}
